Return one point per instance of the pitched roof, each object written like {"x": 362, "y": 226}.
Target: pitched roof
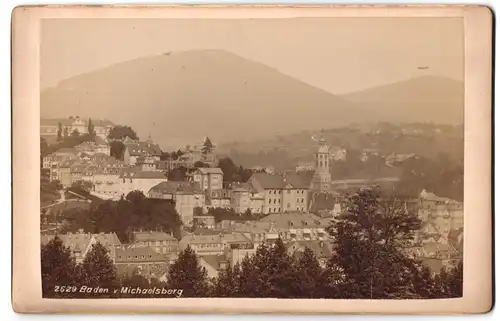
{"x": 214, "y": 260}
{"x": 295, "y": 220}
{"x": 152, "y": 236}
{"x": 176, "y": 187}
{"x": 143, "y": 148}
{"x": 108, "y": 239}
{"x": 210, "y": 170}
{"x": 269, "y": 181}
{"x": 298, "y": 180}
{"x": 77, "y": 242}
{"x": 201, "y": 239}
{"x": 235, "y": 238}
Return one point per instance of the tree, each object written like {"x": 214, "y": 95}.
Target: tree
{"x": 136, "y": 280}
{"x": 117, "y": 149}
{"x": 60, "y": 132}
{"x": 248, "y": 283}
{"x": 370, "y": 238}
{"x": 200, "y": 164}
{"x": 187, "y": 274}
{"x": 99, "y": 269}
{"x": 91, "y": 129}
{"x": 207, "y": 147}
{"x": 309, "y": 275}
{"x": 177, "y": 174}
{"x": 226, "y": 283}
{"x": 75, "y": 133}
{"x": 119, "y": 132}
{"x": 66, "y": 132}
{"x": 58, "y": 268}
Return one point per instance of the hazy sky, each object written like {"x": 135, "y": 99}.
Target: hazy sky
{"x": 340, "y": 55}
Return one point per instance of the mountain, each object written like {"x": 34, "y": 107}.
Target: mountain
{"x": 181, "y": 97}
{"x": 421, "y": 99}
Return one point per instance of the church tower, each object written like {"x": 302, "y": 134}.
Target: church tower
{"x": 322, "y": 178}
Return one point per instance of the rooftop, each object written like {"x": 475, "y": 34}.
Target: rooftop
{"x": 151, "y": 236}
{"x": 176, "y": 187}
{"x": 143, "y": 148}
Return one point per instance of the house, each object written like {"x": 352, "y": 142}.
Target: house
{"x": 214, "y": 264}
{"x": 281, "y": 193}
{"x": 186, "y": 195}
{"x": 298, "y": 226}
{"x": 143, "y": 261}
{"x": 240, "y": 201}
{"x": 50, "y": 126}
{"x": 208, "y": 178}
{"x": 443, "y": 213}
{"x": 99, "y": 146}
{"x": 136, "y": 179}
{"x": 203, "y": 244}
{"x": 218, "y": 198}
{"x": 134, "y": 150}
{"x": 160, "y": 242}
{"x": 107, "y": 183}
{"x": 80, "y": 243}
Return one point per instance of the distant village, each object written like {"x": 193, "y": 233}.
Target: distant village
{"x": 296, "y": 206}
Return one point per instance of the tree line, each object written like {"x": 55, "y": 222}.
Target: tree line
{"x": 133, "y": 212}
{"x": 369, "y": 261}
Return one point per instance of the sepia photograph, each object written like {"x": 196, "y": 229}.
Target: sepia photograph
{"x": 276, "y": 158}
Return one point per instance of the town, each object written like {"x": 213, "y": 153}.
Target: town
{"x": 194, "y": 198}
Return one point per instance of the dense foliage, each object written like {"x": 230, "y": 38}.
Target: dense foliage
{"x": 125, "y": 215}
{"x": 119, "y": 132}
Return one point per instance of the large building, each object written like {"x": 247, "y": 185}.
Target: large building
{"x": 208, "y": 178}
{"x": 49, "y": 127}
{"x": 281, "y": 193}
{"x": 135, "y": 150}
{"x": 186, "y": 195}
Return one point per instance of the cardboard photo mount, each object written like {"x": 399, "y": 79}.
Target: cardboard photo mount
{"x": 478, "y": 275}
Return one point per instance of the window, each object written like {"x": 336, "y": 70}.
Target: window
{"x": 289, "y": 191}
{"x": 298, "y": 200}
{"x": 270, "y": 201}
{"x": 274, "y": 201}
{"x": 288, "y": 205}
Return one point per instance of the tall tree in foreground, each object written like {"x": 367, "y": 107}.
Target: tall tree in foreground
{"x": 310, "y": 274}
{"x": 58, "y": 268}
{"x": 370, "y": 239}
{"x": 227, "y": 283}
{"x": 187, "y": 274}
{"x": 99, "y": 270}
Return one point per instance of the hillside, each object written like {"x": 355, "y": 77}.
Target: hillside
{"x": 182, "y": 97}
{"x": 420, "y": 99}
